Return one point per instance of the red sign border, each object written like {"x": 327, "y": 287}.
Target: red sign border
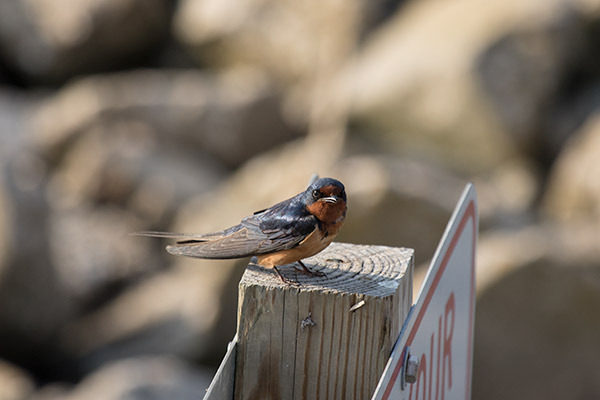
{"x": 469, "y": 213}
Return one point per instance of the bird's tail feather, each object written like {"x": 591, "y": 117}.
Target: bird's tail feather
{"x": 168, "y": 235}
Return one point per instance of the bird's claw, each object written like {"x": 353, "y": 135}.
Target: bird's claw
{"x": 284, "y": 279}
{"x": 309, "y": 272}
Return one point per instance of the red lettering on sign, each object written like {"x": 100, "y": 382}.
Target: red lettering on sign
{"x": 437, "y": 370}
{"x": 448, "y": 332}
{"x": 422, "y": 377}
{"x": 443, "y": 354}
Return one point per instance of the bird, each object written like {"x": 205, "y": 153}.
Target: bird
{"x": 282, "y": 234}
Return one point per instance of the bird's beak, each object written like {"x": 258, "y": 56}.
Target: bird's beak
{"x": 329, "y": 199}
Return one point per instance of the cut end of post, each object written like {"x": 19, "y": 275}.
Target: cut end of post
{"x": 342, "y": 267}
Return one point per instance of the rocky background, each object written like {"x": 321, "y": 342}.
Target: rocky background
{"x": 126, "y": 115}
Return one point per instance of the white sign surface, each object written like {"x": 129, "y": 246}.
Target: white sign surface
{"x": 438, "y": 331}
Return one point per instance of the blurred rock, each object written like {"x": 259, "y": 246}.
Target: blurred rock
{"x": 15, "y": 110}
{"x": 569, "y": 116}
{"x": 27, "y": 172}
{"x": 300, "y": 47}
{"x": 15, "y": 384}
{"x": 413, "y": 83}
{"x": 49, "y": 41}
{"x": 231, "y": 116}
{"x": 537, "y": 329}
{"x": 525, "y": 69}
{"x": 140, "y": 378}
{"x": 5, "y": 229}
{"x": 174, "y": 312}
{"x": 502, "y": 252}
{"x": 291, "y": 42}
{"x": 122, "y": 163}
{"x": 573, "y": 186}
{"x": 33, "y": 303}
{"x": 92, "y": 251}
{"x": 508, "y": 194}
{"x": 538, "y": 289}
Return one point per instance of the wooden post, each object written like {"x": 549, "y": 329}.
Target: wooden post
{"x": 329, "y": 337}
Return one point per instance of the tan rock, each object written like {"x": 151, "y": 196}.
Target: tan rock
{"x": 15, "y": 384}
{"x": 125, "y": 163}
{"x": 230, "y": 117}
{"x": 51, "y": 41}
{"x": 422, "y": 83}
{"x": 292, "y": 42}
{"x": 91, "y": 250}
{"x": 537, "y": 328}
{"x": 33, "y": 303}
{"x": 538, "y": 289}
{"x": 574, "y": 188}
{"x": 173, "y": 312}
{"x": 153, "y": 377}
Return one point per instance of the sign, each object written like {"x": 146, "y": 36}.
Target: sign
{"x": 435, "y": 344}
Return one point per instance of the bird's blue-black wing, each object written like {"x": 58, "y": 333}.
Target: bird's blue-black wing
{"x": 280, "y": 227}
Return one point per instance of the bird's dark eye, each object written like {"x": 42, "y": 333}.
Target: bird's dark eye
{"x": 316, "y": 194}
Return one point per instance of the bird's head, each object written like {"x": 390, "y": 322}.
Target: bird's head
{"x": 326, "y": 200}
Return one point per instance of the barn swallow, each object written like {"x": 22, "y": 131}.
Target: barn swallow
{"x": 287, "y": 232}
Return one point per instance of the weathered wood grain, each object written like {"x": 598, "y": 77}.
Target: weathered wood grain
{"x": 328, "y": 337}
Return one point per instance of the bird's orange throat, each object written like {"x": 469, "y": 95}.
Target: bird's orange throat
{"x": 328, "y": 213}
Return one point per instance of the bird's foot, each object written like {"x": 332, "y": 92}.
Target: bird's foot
{"x": 284, "y": 279}
{"x": 307, "y": 271}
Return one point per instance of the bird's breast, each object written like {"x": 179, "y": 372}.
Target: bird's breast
{"x": 315, "y": 242}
